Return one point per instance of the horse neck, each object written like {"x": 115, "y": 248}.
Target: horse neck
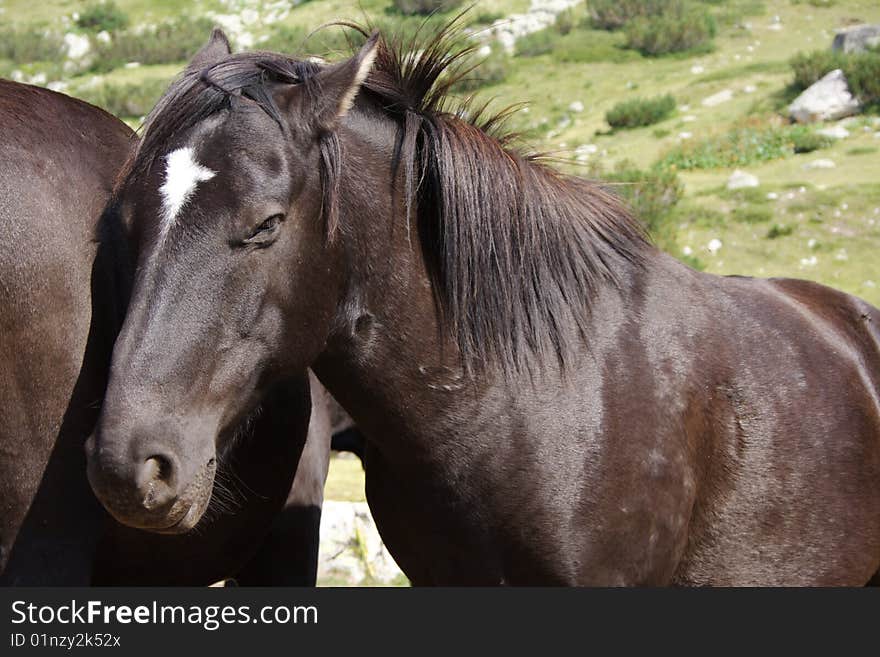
{"x": 386, "y": 338}
{"x": 387, "y": 360}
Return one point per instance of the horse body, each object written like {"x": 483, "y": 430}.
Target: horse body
{"x": 59, "y": 160}
{"x": 547, "y": 398}
{"x": 698, "y": 438}
{"x": 62, "y": 291}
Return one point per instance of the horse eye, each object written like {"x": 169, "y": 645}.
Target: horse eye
{"x": 269, "y": 223}
{"x": 265, "y": 229}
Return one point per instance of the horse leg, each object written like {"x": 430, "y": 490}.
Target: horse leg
{"x": 288, "y": 556}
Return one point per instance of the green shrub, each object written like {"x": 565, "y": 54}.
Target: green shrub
{"x": 565, "y": 22}
{"x": 862, "y": 71}
{"x": 125, "y": 100}
{"x": 804, "y": 140}
{"x": 779, "y": 230}
{"x": 810, "y": 67}
{"x": 747, "y": 143}
{"x": 102, "y": 16}
{"x": 30, "y": 44}
{"x": 640, "y": 112}
{"x": 651, "y": 194}
{"x": 424, "y": 7}
{"x": 684, "y": 27}
{"x": 166, "y": 43}
{"x": 614, "y": 14}
{"x": 536, "y": 43}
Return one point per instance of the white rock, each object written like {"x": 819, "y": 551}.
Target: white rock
{"x": 484, "y": 50}
{"x": 809, "y": 262}
{"x": 750, "y": 89}
{"x": 741, "y": 179}
{"x": 714, "y": 245}
{"x": 350, "y": 547}
{"x": 856, "y": 38}
{"x": 822, "y": 163}
{"x": 540, "y": 15}
{"x": 716, "y": 99}
{"x": 39, "y": 79}
{"x": 103, "y": 36}
{"x": 132, "y": 64}
{"x": 826, "y": 100}
{"x": 576, "y": 106}
{"x": 687, "y": 250}
{"x": 685, "y": 135}
{"x": 57, "y": 86}
{"x": 835, "y": 132}
{"x": 77, "y": 46}
{"x": 696, "y": 69}
{"x": 772, "y": 196}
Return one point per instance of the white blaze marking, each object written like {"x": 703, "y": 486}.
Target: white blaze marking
{"x": 182, "y": 176}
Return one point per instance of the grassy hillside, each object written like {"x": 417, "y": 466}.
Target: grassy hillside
{"x": 818, "y": 223}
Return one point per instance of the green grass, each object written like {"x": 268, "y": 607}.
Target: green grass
{"x": 592, "y": 67}
{"x": 345, "y": 480}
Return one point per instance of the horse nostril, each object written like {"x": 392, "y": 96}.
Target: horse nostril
{"x": 157, "y": 481}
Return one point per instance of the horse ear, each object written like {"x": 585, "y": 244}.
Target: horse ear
{"x": 340, "y": 83}
{"x": 216, "y": 49}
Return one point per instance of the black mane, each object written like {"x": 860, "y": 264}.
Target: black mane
{"x": 515, "y": 249}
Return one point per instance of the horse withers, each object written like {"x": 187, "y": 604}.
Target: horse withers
{"x": 547, "y": 398}
{"x": 64, "y": 279}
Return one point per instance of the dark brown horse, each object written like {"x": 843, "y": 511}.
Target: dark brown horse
{"x": 62, "y": 295}
{"x": 547, "y": 398}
